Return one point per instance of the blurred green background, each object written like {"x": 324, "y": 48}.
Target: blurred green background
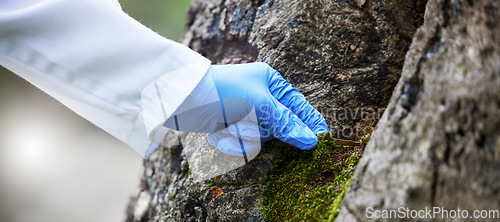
{"x": 167, "y": 17}
{"x": 54, "y": 165}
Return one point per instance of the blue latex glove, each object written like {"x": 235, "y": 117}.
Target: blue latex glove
{"x": 248, "y": 104}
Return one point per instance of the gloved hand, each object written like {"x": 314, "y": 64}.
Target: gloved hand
{"x": 248, "y": 104}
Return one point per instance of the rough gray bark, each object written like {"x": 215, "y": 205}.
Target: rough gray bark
{"x": 344, "y": 56}
{"x": 345, "y": 59}
{"x": 438, "y": 143}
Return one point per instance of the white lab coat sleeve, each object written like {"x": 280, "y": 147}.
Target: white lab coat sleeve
{"x": 101, "y": 63}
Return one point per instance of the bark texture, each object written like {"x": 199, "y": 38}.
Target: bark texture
{"x": 345, "y": 56}
{"x": 345, "y": 59}
{"x": 438, "y": 143}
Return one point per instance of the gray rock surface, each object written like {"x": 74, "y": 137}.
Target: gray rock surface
{"x": 344, "y": 56}
{"x": 438, "y": 144}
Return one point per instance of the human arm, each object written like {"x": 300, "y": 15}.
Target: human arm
{"x": 97, "y": 61}
{"x": 128, "y": 80}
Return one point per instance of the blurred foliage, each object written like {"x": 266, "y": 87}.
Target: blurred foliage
{"x": 167, "y": 17}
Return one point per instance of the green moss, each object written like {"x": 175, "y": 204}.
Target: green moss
{"x": 365, "y": 138}
{"x": 309, "y": 185}
{"x": 336, "y": 203}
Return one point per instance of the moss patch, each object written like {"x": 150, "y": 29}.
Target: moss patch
{"x": 365, "y": 139}
{"x": 309, "y": 185}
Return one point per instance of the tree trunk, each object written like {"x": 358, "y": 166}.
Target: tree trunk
{"x": 345, "y": 56}
{"x": 438, "y": 143}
